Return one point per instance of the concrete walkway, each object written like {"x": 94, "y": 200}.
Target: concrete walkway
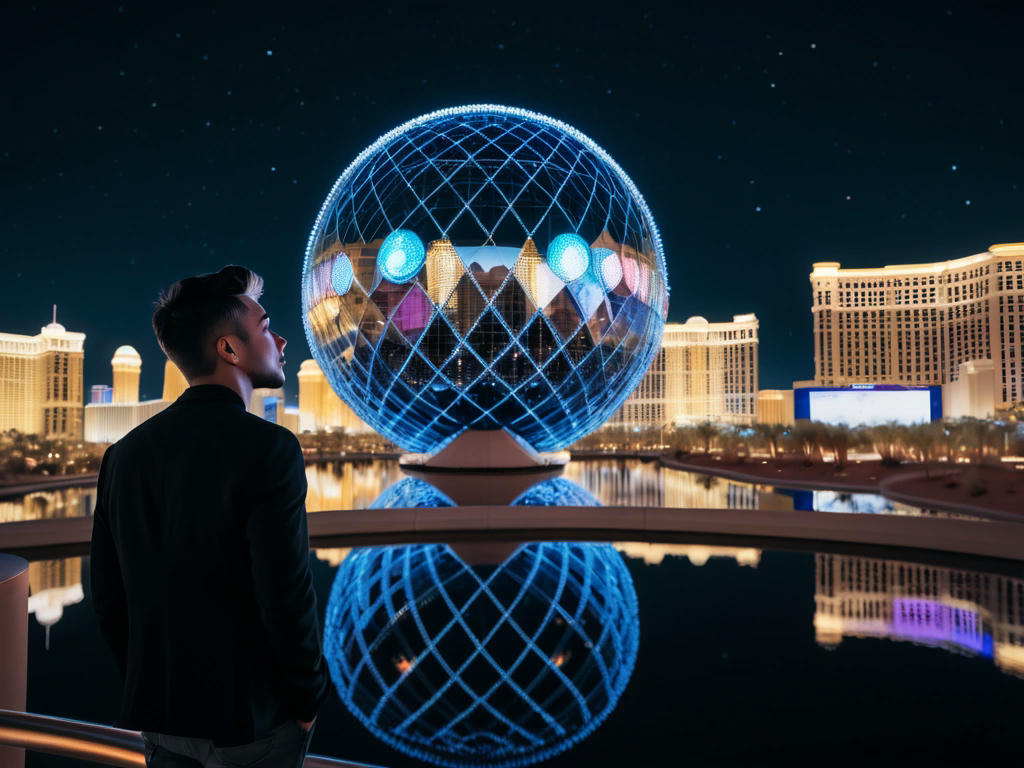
{"x": 995, "y": 539}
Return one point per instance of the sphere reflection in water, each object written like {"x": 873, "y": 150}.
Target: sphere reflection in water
{"x": 486, "y": 664}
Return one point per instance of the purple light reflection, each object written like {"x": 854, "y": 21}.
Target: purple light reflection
{"x": 929, "y": 621}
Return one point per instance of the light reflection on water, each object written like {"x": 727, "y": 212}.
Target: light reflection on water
{"x": 490, "y": 653}
{"x": 430, "y": 641}
{"x": 613, "y": 482}
{"x": 46, "y": 505}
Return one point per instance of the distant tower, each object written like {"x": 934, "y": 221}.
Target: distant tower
{"x": 174, "y": 382}
{"x": 127, "y": 365}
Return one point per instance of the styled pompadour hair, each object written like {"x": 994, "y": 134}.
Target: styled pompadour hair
{"x": 189, "y": 312}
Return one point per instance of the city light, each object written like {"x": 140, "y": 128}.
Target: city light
{"x": 342, "y": 274}
{"x": 569, "y": 257}
{"x": 607, "y": 266}
{"x": 401, "y": 256}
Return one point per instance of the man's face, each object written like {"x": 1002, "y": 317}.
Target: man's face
{"x": 262, "y": 357}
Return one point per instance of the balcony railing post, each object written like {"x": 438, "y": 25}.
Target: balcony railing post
{"x": 13, "y": 646}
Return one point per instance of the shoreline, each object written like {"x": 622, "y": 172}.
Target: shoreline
{"x": 987, "y": 491}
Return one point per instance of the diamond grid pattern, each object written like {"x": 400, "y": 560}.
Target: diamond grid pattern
{"x": 470, "y": 666}
{"x": 490, "y": 355}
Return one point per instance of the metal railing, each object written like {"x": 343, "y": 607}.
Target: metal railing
{"x": 98, "y": 743}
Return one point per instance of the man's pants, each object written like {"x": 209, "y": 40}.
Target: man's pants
{"x": 283, "y": 747}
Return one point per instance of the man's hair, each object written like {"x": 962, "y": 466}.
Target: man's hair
{"x": 189, "y": 312}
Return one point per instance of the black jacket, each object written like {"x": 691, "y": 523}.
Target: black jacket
{"x": 200, "y": 572}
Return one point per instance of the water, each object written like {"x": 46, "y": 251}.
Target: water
{"x": 612, "y": 653}
{"x": 744, "y": 657}
{"x": 613, "y": 482}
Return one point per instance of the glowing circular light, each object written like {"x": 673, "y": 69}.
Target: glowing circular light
{"x": 608, "y": 267}
{"x": 401, "y": 256}
{"x": 569, "y": 257}
{"x": 342, "y": 274}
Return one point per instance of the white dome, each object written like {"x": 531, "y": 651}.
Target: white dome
{"x": 126, "y": 355}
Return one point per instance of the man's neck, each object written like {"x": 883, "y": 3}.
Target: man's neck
{"x": 230, "y": 378}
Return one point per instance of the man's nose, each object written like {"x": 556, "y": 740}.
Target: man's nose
{"x": 282, "y": 342}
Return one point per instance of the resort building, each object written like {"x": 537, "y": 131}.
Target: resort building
{"x": 959, "y": 610}
{"x": 175, "y": 382}
{"x": 775, "y": 406}
{"x": 320, "y": 407}
{"x": 101, "y": 393}
{"x": 268, "y": 403}
{"x": 127, "y": 369}
{"x": 703, "y": 372}
{"x": 41, "y": 381}
{"x": 920, "y": 324}
{"x": 108, "y": 420}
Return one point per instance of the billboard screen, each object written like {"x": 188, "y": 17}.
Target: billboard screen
{"x": 868, "y": 404}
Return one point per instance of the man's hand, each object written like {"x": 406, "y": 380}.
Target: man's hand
{"x": 306, "y": 725}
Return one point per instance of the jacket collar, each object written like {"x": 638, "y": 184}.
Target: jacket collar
{"x": 212, "y": 393}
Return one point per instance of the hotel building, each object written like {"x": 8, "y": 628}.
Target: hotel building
{"x": 41, "y": 382}
{"x": 320, "y": 407}
{"x": 703, "y": 372}
{"x": 925, "y": 324}
{"x": 175, "y": 382}
{"x": 775, "y": 406}
{"x": 108, "y": 422}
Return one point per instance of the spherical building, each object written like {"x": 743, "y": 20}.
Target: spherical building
{"x": 484, "y": 267}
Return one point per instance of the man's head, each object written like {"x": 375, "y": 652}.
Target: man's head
{"x": 214, "y": 323}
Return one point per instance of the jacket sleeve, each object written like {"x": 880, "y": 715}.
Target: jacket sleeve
{"x": 278, "y": 543}
{"x": 108, "y": 593}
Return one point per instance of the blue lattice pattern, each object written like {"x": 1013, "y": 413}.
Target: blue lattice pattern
{"x": 471, "y": 666}
{"x": 519, "y": 221}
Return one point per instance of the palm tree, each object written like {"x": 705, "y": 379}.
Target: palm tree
{"x": 707, "y": 431}
{"x": 926, "y": 439}
{"x": 772, "y": 434}
{"x": 838, "y": 438}
{"x": 811, "y": 437}
{"x": 885, "y": 439}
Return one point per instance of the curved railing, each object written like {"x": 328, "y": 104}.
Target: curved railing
{"x": 97, "y": 743}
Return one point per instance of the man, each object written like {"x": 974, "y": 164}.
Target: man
{"x": 200, "y": 553}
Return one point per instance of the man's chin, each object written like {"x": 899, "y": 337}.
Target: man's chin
{"x": 268, "y": 380}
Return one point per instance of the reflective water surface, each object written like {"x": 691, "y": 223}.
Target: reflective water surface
{"x": 568, "y": 653}
{"x": 612, "y": 482}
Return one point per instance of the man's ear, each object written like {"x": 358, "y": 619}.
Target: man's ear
{"x": 225, "y": 352}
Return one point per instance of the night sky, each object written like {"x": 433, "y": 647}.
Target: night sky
{"x": 139, "y": 148}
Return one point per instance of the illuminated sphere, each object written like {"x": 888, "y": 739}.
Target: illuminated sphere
{"x": 474, "y": 300}
{"x": 464, "y": 665}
